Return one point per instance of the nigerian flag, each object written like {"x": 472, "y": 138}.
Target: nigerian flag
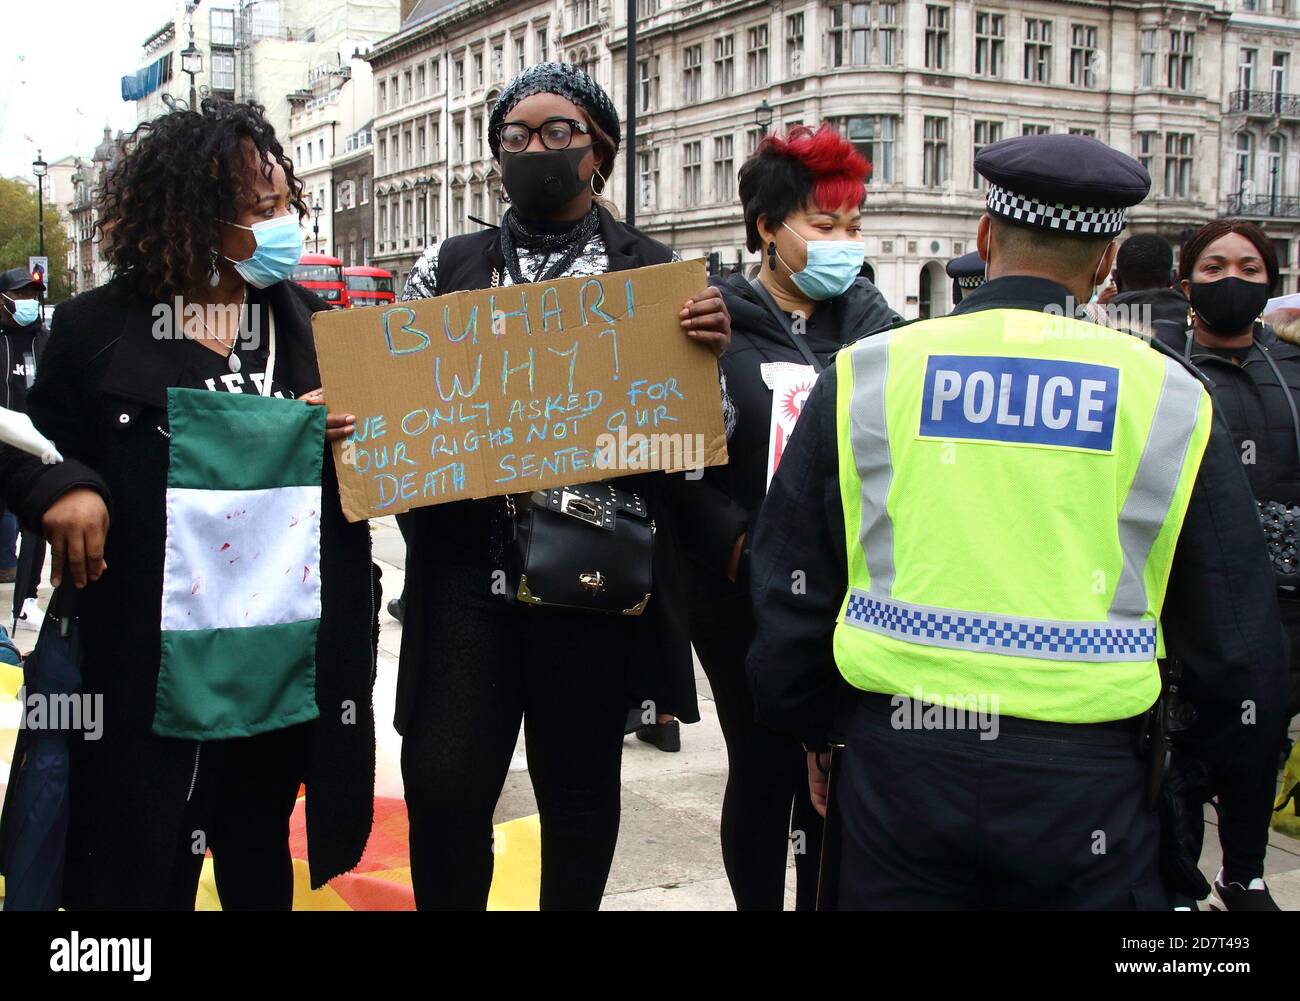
{"x": 241, "y": 575}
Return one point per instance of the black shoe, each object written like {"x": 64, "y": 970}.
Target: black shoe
{"x": 1235, "y": 897}
{"x": 665, "y": 736}
{"x": 397, "y": 608}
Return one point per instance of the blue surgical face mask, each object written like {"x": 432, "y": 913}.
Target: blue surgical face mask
{"x": 279, "y": 247}
{"x": 832, "y": 267}
{"x": 25, "y": 311}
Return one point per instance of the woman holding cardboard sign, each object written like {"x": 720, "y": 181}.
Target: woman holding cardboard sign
{"x": 476, "y": 658}
{"x": 802, "y": 195}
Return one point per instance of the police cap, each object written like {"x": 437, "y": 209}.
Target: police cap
{"x": 966, "y": 272}
{"x": 1072, "y": 185}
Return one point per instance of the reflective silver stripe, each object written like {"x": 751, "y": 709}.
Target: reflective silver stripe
{"x": 1116, "y": 640}
{"x": 869, "y": 438}
{"x": 1158, "y": 472}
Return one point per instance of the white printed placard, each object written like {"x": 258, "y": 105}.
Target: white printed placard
{"x": 791, "y": 385}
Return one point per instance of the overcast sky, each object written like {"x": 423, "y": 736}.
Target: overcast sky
{"x": 61, "y": 66}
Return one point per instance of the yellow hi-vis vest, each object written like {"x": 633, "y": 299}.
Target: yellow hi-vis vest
{"x": 1014, "y": 484}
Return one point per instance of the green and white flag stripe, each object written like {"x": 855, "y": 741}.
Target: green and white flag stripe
{"x": 241, "y": 574}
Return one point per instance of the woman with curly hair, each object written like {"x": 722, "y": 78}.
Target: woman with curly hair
{"x": 200, "y": 220}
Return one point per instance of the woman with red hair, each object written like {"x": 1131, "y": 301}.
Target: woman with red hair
{"x": 802, "y": 196}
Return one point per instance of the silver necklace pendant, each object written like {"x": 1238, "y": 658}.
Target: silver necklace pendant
{"x": 232, "y": 360}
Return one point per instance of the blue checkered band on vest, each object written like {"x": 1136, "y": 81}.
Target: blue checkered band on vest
{"x": 1002, "y": 634}
{"x": 1070, "y": 218}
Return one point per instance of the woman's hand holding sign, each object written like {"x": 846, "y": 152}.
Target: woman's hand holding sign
{"x": 336, "y": 425}
{"x": 705, "y": 319}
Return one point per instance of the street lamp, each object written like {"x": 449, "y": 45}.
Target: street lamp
{"x": 763, "y": 116}
{"x": 315, "y": 226}
{"x": 424, "y": 183}
{"x": 192, "y": 66}
{"x": 39, "y": 168}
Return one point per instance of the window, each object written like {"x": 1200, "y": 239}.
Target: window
{"x": 1083, "y": 49}
{"x": 691, "y": 194}
{"x": 647, "y": 165}
{"x": 498, "y": 61}
{"x": 322, "y": 150}
{"x": 873, "y": 137}
{"x": 422, "y": 135}
{"x": 1038, "y": 51}
{"x": 383, "y": 96}
{"x": 392, "y": 91}
{"x": 383, "y": 225}
{"x": 692, "y": 74}
{"x": 365, "y": 251}
{"x": 985, "y": 133}
{"x": 435, "y": 74}
{"x": 724, "y": 169}
{"x": 1146, "y": 151}
{"x": 794, "y": 44}
{"x": 647, "y": 71}
{"x": 383, "y": 156}
{"x": 521, "y": 56}
{"x": 936, "y": 37}
{"x": 1178, "y": 164}
{"x": 752, "y": 138}
{"x": 543, "y": 45}
{"x": 421, "y": 82}
{"x": 297, "y": 154}
{"x": 458, "y": 76}
{"x": 223, "y": 71}
{"x": 1281, "y": 61}
{"x": 365, "y": 190}
{"x": 850, "y": 41}
{"x": 476, "y": 204}
{"x": 1243, "y": 162}
{"x": 458, "y": 214}
{"x": 990, "y": 40}
{"x": 460, "y": 142}
{"x": 581, "y": 13}
{"x": 406, "y": 87}
{"x": 886, "y": 34}
{"x": 724, "y": 65}
{"x": 1246, "y": 69}
{"x": 756, "y": 55}
{"x": 409, "y": 158}
{"x": 221, "y": 27}
{"x": 1089, "y": 133}
{"x": 1035, "y": 130}
{"x": 478, "y": 70}
{"x": 934, "y": 168}
{"x": 646, "y": 8}
{"x": 1147, "y": 58}
{"x": 478, "y": 137}
{"x": 1181, "y": 61}
{"x": 1276, "y": 160}
{"x": 435, "y": 141}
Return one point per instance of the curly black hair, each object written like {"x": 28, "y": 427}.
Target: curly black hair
{"x": 176, "y": 176}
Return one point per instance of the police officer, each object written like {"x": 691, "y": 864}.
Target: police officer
{"x": 20, "y": 331}
{"x": 967, "y": 274}
{"x": 975, "y": 530}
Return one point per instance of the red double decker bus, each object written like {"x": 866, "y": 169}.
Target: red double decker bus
{"x": 324, "y": 276}
{"x": 368, "y": 286}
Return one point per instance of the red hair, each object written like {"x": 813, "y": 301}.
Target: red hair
{"x": 839, "y": 171}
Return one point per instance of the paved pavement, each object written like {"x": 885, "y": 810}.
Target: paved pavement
{"x": 668, "y": 857}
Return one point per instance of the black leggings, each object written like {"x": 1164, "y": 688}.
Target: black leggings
{"x": 766, "y": 809}
{"x": 243, "y": 796}
{"x": 564, "y": 673}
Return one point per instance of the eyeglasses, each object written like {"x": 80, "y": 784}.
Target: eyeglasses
{"x": 555, "y": 133}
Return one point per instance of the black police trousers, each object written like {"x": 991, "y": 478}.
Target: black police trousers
{"x": 1040, "y": 817}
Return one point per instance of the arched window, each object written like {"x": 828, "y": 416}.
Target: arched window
{"x": 1276, "y": 176}
{"x": 931, "y": 301}
{"x": 1244, "y": 163}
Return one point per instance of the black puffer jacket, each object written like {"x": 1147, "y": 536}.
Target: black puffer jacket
{"x": 727, "y": 500}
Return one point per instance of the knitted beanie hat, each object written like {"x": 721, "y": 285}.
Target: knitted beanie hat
{"x": 570, "y": 83}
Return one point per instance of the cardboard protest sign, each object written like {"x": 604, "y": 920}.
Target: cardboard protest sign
{"x": 790, "y": 385}
{"x": 520, "y": 388}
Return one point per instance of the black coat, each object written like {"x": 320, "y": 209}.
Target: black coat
{"x": 726, "y": 501}
{"x": 1255, "y": 408}
{"x": 1220, "y": 614}
{"x": 444, "y": 539}
{"x": 101, "y": 397}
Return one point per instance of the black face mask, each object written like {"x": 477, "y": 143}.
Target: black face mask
{"x": 1229, "y": 305}
{"x": 542, "y": 182}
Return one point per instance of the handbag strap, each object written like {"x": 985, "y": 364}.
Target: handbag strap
{"x": 783, "y": 320}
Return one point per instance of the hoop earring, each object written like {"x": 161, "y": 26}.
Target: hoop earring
{"x": 592, "y": 181}
{"x": 771, "y": 255}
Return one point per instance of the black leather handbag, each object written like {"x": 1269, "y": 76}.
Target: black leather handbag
{"x": 587, "y": 547}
